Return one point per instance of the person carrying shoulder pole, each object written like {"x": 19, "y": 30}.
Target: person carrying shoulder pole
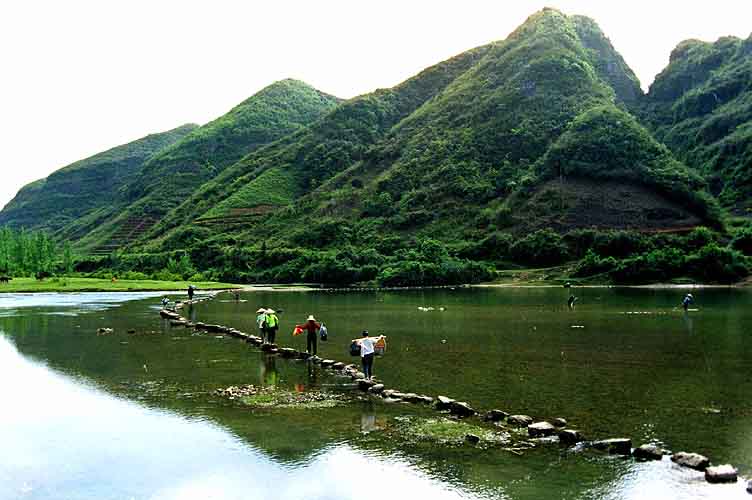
{"x": 311, "y": 327}
{"x": 272, "y": 325}
{"x": 367, "y": 352}
{"x": 261, "y": 323}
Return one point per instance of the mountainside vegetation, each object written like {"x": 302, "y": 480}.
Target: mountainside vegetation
{"x": 538, "y": 150}
{"x": 700, "y": 106}
{"x": 85, "y": 185}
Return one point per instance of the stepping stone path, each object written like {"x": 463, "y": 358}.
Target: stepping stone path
{"x": 557, "y": 426}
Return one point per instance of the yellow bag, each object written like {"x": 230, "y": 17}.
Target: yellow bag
{"x": 379, "y": 348}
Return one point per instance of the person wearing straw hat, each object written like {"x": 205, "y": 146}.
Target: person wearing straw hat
{"x": 272, "y": 325}
{"x": 311, "y": 326}
{"x": 261, "y": 323}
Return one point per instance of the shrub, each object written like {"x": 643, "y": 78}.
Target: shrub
{"x": 592, "y": 264}
{"x": 542, "y": 248}
{"x": 713, "y": 263}
{"x": 742, "y": 241}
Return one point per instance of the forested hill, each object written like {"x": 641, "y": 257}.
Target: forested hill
{"x": 85, "y": 185}
{"x": 701, "y": 107}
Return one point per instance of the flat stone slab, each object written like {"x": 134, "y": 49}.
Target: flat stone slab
{"x": 520, "y": 420}
{"x": 461, "y": 409}
{"x": 570, "y": 436}
{"x": 376, "y": 389}
{"x": 615, "y": 446}
{"x": 338, "y": 365}
{"x": 495, "y": 416}
{"x": 649, "y": 452}
{"x": 326, "y": 363}
{"x": 444, "y": 403}
{"x": 721, "y": 474}
{"x": 559, "y": 422}
{"x": 425, "y": 399}
{"x": 541, "y": 429}
{"x": 691, "y": 460}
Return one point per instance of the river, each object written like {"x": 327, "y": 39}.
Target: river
{"x": 134, "y": 415}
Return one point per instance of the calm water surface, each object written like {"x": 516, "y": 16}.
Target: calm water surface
{"x": 132, "y": 416}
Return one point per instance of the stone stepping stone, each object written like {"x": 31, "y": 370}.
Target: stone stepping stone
{"x": 570, "y": 436}
{"x": 444, "y": 403}
{"x": 495, "y": 416}
{"x": 461, "y": 409}
{"x": 559, "y": 422}
{"x": 649, "y": 452}
{"x": 541, "y": 429}
{"x": 615, "y": 446}
{"x": 520, "y": 420}
{"x": 691, "y": 460}
{"x": 721, "y": 474}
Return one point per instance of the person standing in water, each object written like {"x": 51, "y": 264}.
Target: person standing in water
{"x": 311, "y": 328}
{"x": 688, "y": 300}
{"x": 367, "y": 352}
{"x": 571, "y": 301}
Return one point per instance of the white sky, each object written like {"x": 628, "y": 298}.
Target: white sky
{"x": 78, "y": 77}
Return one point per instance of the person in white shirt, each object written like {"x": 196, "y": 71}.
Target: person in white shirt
{"x": 367, "y": 352}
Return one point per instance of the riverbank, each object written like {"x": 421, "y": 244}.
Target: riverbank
{"x": 74, "y": 284}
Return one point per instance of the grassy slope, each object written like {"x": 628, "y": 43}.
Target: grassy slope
{"x": 85, "y": 185}
{"x": 701, "y": 107}
{"x": 175, "y": 172}
{"x": 65, "y": 284}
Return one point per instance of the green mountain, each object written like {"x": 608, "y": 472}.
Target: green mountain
{"x": 700, "y": 106}
{"x": 529, "y": 133}
{"x": 171, "y": 175}
{"x": 68, "y": 193}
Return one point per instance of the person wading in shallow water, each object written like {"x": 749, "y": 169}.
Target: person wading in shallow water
{"x": 367, "y": 352}
{"x": 311, "y": 327}
{"x": 688, "y": 300}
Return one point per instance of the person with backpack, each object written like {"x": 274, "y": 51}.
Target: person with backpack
{"x": 311, "y": 327}
{"x": 272, "y": 325}
{"x": 368, "y": 351}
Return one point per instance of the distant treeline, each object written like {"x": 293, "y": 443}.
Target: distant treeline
{"x": 29, "y": 253}
{"x": 619, "y": 257}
